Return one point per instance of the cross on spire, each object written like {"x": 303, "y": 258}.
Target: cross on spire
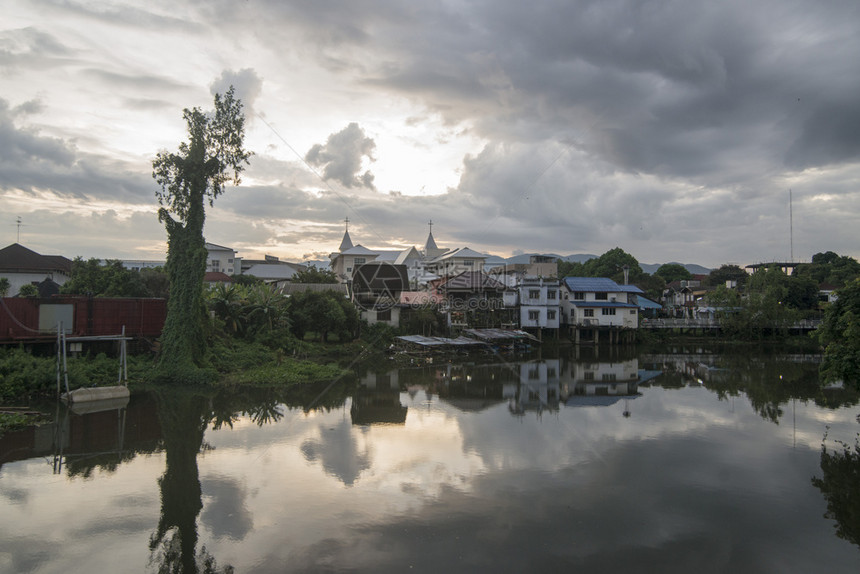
{"x": 347, "y": 223}
{"x": 430, "y": 223}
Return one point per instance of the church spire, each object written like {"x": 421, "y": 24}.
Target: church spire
{"x": 346, "y": 243}
{"x": 430, "y": 248}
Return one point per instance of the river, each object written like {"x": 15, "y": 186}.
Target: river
{"x": 682, "y": 460}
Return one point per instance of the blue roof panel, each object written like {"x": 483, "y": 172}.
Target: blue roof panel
{"x": 598, "y": 285}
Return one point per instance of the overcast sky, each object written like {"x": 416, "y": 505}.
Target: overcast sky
{"x": 671, "y": 129}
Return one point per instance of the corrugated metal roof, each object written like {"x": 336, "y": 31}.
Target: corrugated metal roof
{"x": 645, "y": 303}
{"x": 439, "y": 341}
{"x": 598, "y": 285}
{"x": 598, "y": 304}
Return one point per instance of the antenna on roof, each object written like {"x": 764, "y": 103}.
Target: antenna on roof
{"x": 18, "y": 237}
{"x": 790, "y": 226}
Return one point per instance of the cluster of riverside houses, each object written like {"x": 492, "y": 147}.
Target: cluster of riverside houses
{"x": 388, "y": 286}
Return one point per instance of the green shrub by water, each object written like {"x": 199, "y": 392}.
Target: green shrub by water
{"x": 24, "y": 376}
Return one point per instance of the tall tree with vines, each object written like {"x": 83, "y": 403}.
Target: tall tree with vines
{"x": 198, "y": 172}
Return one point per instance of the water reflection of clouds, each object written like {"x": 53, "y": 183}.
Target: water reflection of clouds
{"x": 107, "y": 509}
{"x": 336, "y": 448}
{"x": 225, "y": 513}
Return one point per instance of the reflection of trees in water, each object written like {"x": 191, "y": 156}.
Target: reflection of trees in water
{"x": 184, "y": 415}
{"x": 840, "y": 485}
{"x": 769, "y": 380}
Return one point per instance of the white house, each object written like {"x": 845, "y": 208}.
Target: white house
{"x": 595, "y": 305}
{"x": 599, "y": 302}
{"x": 457, "y": 261}
{"x": 539, "y": 303}
{"x": 22, "y": 266}
{"x": 222, "y": 259}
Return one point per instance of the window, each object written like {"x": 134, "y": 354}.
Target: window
{"x": 359, "y": 261}
{"x": 600, "y": 297}
{"x": 550, "y": 315}
{"x": 349, "y": 269}
{"x": 383, "y": 315}
{"x": 632, "y": 311}
{"x": 579, "y": 296}
{"x": 607, "y": 377}
{"x": 608, "y": 311}
{"x": 550, "y": 295}
{"x": 534, "y": 293}
{"x": 468, "y": 263}
{"x": 588, "y": 375}
{"x": 534, "y": 315}
{"x": 588, "y": 312}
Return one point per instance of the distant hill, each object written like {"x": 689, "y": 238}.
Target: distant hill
{"x": 652, "y": 268}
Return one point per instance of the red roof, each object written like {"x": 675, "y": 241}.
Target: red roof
{"x": 217, "y": 277}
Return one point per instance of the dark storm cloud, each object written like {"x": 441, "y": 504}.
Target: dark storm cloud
{"x": 31, "y": 162}
{"x": 831, "y": 134}
{"x": 663, "y": 87}
{"x": 341, "y": 157}
{"x": 24, "y": 146}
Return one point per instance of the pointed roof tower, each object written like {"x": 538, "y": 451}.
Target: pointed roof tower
{"x": 346, "y": 243}
{"x": 430, "y": 248}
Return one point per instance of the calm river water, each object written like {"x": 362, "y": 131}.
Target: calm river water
{"x": 687, "y": 460}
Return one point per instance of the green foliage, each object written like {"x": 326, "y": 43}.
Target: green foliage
{"x": 840, "y": 485}
{"x": 611, "y": 264}
{"x": 90, "y": 277}
{"x": 314, "y": 275}
{"x": 673, "y": 272}
{"x": 424, "y": 320}
{"x": 288, "y": 372}
{"x": 789, "y": 290}
{"x": 830, "y": 268}
{"x": 378, "y": 336}
{"x": 246, "y": 280}
{"x": 773, "y": 302}
{"x": 12, "y": 421}
{"x": 4, "y": 286}
{"x": 323, "y": 312}
{"x": 24, "y": 375}
{"x": 839, "y": 333}
{"x": 726, "y": 300}
{"x": 28, "y": 290}
{"x": 652, "y": 285}
{"x": 156, "y": 282}
{"x": 255, "y": 312}
{"x": 727, "y": 273}
{"x": 213, "y": 156}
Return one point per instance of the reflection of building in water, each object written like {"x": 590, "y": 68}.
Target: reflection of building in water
{"x": 377, "y": 400}
{"x": 473, "y": 388}
{"x": 538, "y": 388}
{"x": 600, "y": 383}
